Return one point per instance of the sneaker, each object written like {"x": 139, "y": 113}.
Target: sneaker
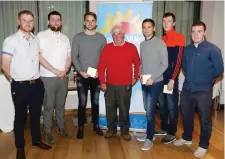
{"x": 110, "y": 134}
{"x": 168, "y": 139}
{"x": 98, "y": 131}
{"x": 160, "y": 132}
{"x": 80, "y": 132}
{"x": 147, "y": 145}
{"x": 182, "y": 142}
{"x": 49, "y": 138}
{"x": 144, "y": 137}
{"x": 126, "y": 136}
{"x": 200, "y": 152}
{"x": 64, "y": 133}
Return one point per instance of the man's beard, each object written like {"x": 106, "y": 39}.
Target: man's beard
{"x": 54, "y": 28}
{"x": 25, "y": 29}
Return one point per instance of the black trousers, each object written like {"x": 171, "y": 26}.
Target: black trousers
{"x": 203, "y": 101}
{"x": 118, "y": 96}
{"x": 24, "y": 94}
{"x": 83, "y": 86}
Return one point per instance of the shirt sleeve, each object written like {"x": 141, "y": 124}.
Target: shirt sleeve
{"x": 181, "y": 40}
{"x": 183, "y": 67}
{"x": 8, "y": 47}
{"x": 180, "y": 43}
{"x": 102, "y": 65}
{"x": 104, "y": 42}
{"x": 136, "y": 62}
{"x": 68, "y": 46}
{"x": 141, "y": 66}
{"x": 217, "y": 61}
{"x": 75, "y": 54}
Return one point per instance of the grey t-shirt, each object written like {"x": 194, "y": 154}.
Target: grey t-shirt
{"x": 86, "y": 50}
{"x": 154, "y": 58}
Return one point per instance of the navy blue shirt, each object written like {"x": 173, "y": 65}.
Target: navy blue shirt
{"x": 201, "y": 65}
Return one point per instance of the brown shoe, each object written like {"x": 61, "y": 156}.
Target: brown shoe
{"x": 126, "y": 136}
{"x": 110, "y": 134}
{"x": 42, "y": 146}
{"x": 20, "y": 154}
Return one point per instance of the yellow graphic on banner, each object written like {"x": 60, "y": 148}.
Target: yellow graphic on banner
{"x": 131, "y": 25}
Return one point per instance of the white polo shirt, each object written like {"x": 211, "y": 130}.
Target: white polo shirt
{"x": 55, "y": 48}
{"x": 25, "y": 56}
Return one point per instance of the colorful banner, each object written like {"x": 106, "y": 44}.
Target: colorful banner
{"x": 130, "y": 17}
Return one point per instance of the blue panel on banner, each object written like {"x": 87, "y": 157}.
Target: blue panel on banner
{"x": 138, "y": 121}
{"x": 102, "y": 120}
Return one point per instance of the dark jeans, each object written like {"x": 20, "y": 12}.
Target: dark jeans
{"x": 203, "y": 100}
{"x": 169, "y": 108}
{"x": 118, "y": 96}
{"x": 150, "y": 97}
{"x": 24, "y": 94}
{"x": 83, "y": 86}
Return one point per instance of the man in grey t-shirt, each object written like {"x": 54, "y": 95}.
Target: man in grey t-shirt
{"x": 86, "y": 49}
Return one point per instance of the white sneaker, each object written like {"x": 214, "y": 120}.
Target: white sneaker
{"x": 147, "y": 145}
{"x": 200, "y": 152}
{"x": 144, "y": 137}
{"x": 182, "y": 142}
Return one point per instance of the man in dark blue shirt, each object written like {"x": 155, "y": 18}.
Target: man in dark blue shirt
{"x": 202, "y": 62}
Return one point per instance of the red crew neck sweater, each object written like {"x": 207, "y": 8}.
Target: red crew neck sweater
{"x": 116, "y": 64}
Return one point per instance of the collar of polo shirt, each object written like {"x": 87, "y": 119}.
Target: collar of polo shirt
{"x": 23, "y": 35}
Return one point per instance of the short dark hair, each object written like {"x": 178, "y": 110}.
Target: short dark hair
{"x": 54, "y": 13}
{"x": 90, "y": 13}
{"x": 199, "y": 23}
{"x": 169, "y": 14}
{"x": 25, "y": 12}
{"x": 149, "y": 20}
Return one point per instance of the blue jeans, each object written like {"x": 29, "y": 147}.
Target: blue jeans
{"x": 150, "y": 97}
{"x": 169, "y": 106}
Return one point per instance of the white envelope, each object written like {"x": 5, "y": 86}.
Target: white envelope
{"x": 145, "y": 78}
{"x": 165, "y": 90}
{"x": 91, "y": 71}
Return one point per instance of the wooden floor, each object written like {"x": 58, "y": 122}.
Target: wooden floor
{"x": 95, "y": 147}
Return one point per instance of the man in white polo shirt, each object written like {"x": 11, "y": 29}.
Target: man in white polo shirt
{"x": 55, "y": 60}
{"x": 20, "y": 63}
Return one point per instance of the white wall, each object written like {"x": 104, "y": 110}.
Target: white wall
{"x": 212, "y": 14}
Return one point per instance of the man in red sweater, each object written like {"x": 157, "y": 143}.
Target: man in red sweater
{"x": 116, "y": 62}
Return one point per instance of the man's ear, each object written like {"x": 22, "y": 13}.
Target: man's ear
{"x": 174, "y": 23}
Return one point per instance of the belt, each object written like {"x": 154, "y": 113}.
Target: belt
{"x": 28, "y": 81}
